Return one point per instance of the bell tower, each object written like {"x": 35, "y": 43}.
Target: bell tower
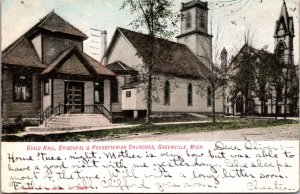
{"x": 283, "y": 37}
{"x": 194, "y": 30}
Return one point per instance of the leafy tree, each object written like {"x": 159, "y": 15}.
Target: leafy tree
{"x": 158, "y": 18}
{"x": 262, "y": 73}
{"x": 276, "y": 81}
{"x": 244, "y": 79}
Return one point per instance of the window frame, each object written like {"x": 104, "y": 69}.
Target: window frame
{"x": 114, "y": 86}
{"x": 46, "y": 92}
{"x": 99, "y": 88}
{"x": 190, "y": 95}
{"x": 281, "y": 52}
{"x": 128, "y": 94}
{"x": 209, "y": 96}
{"x": 188, "y": 20}
{"x": 167, "y": 93}
{"x": 29, "y": 83}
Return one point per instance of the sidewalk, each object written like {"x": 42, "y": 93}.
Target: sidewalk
{"x": 258, "y": 117}
{"x": 48, "y": 131}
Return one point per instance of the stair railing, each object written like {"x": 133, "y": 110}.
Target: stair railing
{"x": 48, "y": 114}
{"x": 103, "y": 110}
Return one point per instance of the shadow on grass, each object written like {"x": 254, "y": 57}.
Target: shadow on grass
{"x": 148, "y": 128}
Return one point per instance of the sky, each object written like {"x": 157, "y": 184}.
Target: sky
{"x": 229, "y": 18}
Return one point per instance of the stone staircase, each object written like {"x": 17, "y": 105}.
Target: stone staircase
{"x": 78, "y": 120}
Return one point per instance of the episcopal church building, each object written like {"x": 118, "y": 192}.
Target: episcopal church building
{"x": 45, "y": 72}
{"x": 181, "y": 72}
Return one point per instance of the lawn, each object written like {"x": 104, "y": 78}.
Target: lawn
{"x": 143, "y": 128}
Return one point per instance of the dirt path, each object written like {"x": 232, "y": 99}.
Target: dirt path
{"x": 285, "y": 132}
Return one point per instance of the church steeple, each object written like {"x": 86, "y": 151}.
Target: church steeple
{"x": 194, "y": 30}
{"x": 283, "y": 36}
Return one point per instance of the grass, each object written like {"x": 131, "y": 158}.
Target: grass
{"x": 223, "y": 124}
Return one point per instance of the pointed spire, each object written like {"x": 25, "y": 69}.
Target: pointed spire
{"x": 284, "y": 12}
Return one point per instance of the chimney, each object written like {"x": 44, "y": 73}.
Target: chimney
{"x": 103, "y": 42}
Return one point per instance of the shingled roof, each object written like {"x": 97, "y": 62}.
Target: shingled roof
{"x": 120, "y": 67}
{"x": 174, "y": 58}
{"x": 22, "y": 53}
{"x": 92, "y": 65}
{"x": 55, "y": 23}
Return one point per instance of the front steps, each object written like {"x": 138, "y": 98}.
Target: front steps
{"x": 73, "y": 121}
{"x": 78, "y": 120}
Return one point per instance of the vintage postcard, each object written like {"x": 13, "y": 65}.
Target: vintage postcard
{"x": 151, "y": 96}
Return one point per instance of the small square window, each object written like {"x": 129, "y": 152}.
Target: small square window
{"x": 46, "y": 88}
{"x": 128, "y": 94}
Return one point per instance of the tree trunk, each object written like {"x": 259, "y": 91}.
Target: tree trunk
{"x": 242, "y": 111}
{"x": 261, "y": 107}
{"x": 213, "y": 103}
{"x": 149, "y": 95}
{"x": 285, "y": 95}
{"x": 276, "y": 104}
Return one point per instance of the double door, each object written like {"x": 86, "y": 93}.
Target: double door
{"x": 74, "y": 101}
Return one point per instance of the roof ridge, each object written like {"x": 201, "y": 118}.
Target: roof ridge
{"x": 160, "y": 38}
{"x": 46, "y": 17}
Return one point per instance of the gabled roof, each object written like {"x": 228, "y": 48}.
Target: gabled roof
{"x": 120, "y": 67}
{"x": 90, "y": 64}
{"x": 173, "y": 58}
{"x": 100, "y": 69}
{"x": 54, "y": 23}
{"x": 246, "y": 48}
{"x": 22, "y": 53}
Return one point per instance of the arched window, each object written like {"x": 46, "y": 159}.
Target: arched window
{"x": 209, "y": 96}
{"x": 202, "y": 20}
{"x": 280, "y": 52}
{"x": 167, "y": 93}
{"x": 188, "y": 20}
{"x": 190, "y": 95}
{"x": 114, "y": 94}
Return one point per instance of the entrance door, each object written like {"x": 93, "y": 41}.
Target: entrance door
{"x": 74, "y": 97}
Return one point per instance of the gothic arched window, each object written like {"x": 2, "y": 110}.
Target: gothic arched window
{"x": 188, "y": 20}
{"x": 190, "y": 95}
{"x": 167, "y": 93}
{"x": 280, "y": 52}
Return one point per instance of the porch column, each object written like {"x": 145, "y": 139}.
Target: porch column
{"x": 107, "y": 103}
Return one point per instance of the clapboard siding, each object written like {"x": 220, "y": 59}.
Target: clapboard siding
{"x": 27, "y": 109}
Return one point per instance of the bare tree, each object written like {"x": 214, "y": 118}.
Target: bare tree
{"x": 157, "y": 17}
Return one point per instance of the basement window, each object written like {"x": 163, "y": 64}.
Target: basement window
{"x": 22, "y": 88}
